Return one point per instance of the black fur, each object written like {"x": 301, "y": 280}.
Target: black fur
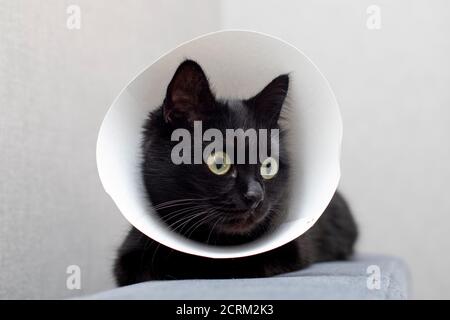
{"x": 219, "y": 211}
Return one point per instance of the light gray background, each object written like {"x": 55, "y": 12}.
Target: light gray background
{"x": 56, "y": 85}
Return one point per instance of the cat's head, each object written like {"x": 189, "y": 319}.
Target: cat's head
{"x": 215, "y": 201}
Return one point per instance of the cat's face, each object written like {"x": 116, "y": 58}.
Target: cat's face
{"x": 211, "y": 200}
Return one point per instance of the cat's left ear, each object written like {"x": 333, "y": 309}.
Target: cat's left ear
{"x": 189, "y": 97}
{"x": 268, "y": 103}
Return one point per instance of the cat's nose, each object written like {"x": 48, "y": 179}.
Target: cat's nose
{"x": 254, "y": 195}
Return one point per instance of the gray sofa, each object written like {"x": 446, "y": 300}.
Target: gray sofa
{"x": 363, "y": 277}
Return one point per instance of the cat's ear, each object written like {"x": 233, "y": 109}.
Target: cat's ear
{"x": 189, "y": 97}
{"x": 268, "y": 103}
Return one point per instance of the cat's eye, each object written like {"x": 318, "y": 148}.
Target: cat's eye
{"x": 269, "y": 168}
{"x": 219, "y": 163}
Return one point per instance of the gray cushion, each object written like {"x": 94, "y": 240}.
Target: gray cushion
{"x": 327, "y": 280}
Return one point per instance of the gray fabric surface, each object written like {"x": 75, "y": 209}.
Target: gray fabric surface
{"x": 328, "y": 280}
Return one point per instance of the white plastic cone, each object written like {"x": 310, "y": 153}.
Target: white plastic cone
{"x": 239, "y": 64}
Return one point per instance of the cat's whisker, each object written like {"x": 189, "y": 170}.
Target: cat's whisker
{"x": 217, "y": 214}
{"x": 187, "y": 220}
{"x": 203, "y": 216}
{"x": 162, "y": 204}
{"x": 180, "y": 222}
{"x": 212, "y": 229}
{"x": 179, "y": 212}
{"x": 176, "y": 207}
{"x": 196, "y": 212}
{"x": 184, "y": 199}
{"x": 175, "y": 210}
{"x": 210, "y": 214}
{"x": 199, "y": 214}
{"x": 188, "y": 214}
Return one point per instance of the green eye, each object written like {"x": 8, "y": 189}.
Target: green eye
{"x": 269, "y": 168}
{"x": 219, "y": 163}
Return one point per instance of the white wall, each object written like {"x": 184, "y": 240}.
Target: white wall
{"x": 393, "y": 88}
{"x": 56, "y": 85}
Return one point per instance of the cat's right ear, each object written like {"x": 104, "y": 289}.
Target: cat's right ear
{"x": 188, "y": 97}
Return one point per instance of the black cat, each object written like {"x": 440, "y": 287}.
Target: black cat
{"x": 221, "y": 203}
